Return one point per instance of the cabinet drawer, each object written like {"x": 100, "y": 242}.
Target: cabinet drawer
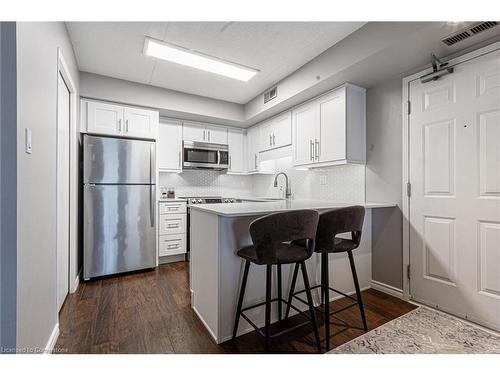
{"x": 172, "y": 244}
{"x": 172, "y": 208}
{"x": 172, "y": 223}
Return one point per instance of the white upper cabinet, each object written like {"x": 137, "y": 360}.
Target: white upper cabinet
{"x": 193, "y": 132}
{"x": 331, "y": 129}
{"x": 236, "y": 142}
{"x": 140, "y": 123}
{"x": 204, "y": 133}
{"x": 216, "y": 134}
{"x": 305, "y": 133}
{"x": 169, "y": 146}
{"x": 104, "y": 118}
{"x": 253, "y": 139}
{"x": 116, "y": 120}
{"x": 276, "y": 132}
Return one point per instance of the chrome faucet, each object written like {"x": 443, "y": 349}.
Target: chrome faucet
{"x": 288, "y": 191}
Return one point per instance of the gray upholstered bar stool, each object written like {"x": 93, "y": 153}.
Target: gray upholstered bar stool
{"x": 331, "y": 224}
{"x": 272, "y": 237}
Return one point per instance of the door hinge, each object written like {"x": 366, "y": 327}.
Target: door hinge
{"x": 409, "y": 107}
{"x": 408, "y": 189}
{"x": 408, "y": 271}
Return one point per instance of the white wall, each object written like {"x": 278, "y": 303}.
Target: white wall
{"x": 383, "y": 179}
{"x": 37, "y": 45}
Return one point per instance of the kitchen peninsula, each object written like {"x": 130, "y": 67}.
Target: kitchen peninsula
{"x": 217, "y": 231}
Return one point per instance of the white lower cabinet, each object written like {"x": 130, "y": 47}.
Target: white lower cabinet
{"x": 172, "y": 231}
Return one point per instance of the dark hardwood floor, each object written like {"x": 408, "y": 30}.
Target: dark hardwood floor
{"x": 150, "y": 312}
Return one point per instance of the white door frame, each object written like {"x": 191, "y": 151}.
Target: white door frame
{"x": 62, "y": 68}
{"x": 406, "y": 156}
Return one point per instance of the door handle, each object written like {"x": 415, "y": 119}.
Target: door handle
{"x": 255, "y": 161}
{"x": 179, "y": 159}
{"x": 209, "y": 135}
{"x": 311, "y": 147}
{"x": 203, "y": 134}
{"x": 119, "y": 125}
{"x": 270, "y": 140}
{"x": 316, "y": 149}
{"x": 274, "y": 140}
{"x": 126, "y": 126}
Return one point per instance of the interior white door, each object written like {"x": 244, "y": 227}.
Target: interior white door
{"x": 63, "y": 127}
{"x": 455, "y": 198}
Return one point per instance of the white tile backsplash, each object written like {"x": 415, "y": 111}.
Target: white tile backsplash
{"x": 194, "y": 183}
{"x": 344, "y": 183}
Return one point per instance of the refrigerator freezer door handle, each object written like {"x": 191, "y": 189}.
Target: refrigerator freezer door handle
{"x": 151, "y": 186}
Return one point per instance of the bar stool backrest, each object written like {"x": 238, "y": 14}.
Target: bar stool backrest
{"x": 274, "y": 229}
{"x": 337, "y": 221}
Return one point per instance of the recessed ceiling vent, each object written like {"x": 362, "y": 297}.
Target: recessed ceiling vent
{"x": 473, "y": 29}
{"x": 271, "y": 94}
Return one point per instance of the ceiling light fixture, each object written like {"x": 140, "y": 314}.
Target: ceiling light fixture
{"x": 165, "y": 51}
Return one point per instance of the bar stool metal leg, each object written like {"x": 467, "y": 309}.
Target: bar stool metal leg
{"x": 292, "y": 289}
{"x": 326, "y": 286}
{"x": 311, "y": 304}
{"x": 240, "y": 299}
{"x": 280, "y": 296}
{"x": 269, "y": 270}
{"x": 358, "y": 291}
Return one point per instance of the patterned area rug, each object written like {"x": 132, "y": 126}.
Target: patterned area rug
{"x": 423, "y": 331}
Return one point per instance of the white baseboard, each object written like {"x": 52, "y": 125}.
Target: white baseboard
{"x": 52, "y": 340}
{"x": 389, "y": 289}
{"x": 214, "y": 336}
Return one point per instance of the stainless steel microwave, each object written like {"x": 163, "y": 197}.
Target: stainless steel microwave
{"x": 199, "y": 155}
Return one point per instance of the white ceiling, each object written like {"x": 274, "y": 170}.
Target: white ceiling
{"x": 275, "y": 48}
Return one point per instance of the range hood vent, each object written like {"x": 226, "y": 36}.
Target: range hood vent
{"x": 473, "y": 29}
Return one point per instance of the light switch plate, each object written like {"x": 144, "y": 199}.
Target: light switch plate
{"x": 27, "y": 140}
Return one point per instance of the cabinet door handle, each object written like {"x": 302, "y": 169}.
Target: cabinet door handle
{"x": 173, "y": 225}
{"x": 230, "y": 163}
{"x": 274, "y": 140}
{"x": 126, "y": 126}
{"x": 209, "y": 135}
{"x": 316, "y": 149}
{"x": 203, "y": 134}
{"x": 119, "y": 125}
{"x": 270, "y": 140}
{"x": 255, "y": 161}
{"x": 311, "y": 147}
{"x": 179, "y": 159}
{"x": 172, "y": 246}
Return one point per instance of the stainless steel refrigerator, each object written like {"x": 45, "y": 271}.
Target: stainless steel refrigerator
{"x": 119, "y": 195}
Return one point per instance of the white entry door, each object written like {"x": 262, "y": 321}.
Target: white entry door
{"x": 455, "y": 199}
{"x": 63, "y": 127}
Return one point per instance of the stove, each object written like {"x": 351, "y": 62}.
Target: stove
{"x": 211, "y": 200}
{"x": 203, "y": 200}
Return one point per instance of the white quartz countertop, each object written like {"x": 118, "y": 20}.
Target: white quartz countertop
{"x": 263, "y": 207}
